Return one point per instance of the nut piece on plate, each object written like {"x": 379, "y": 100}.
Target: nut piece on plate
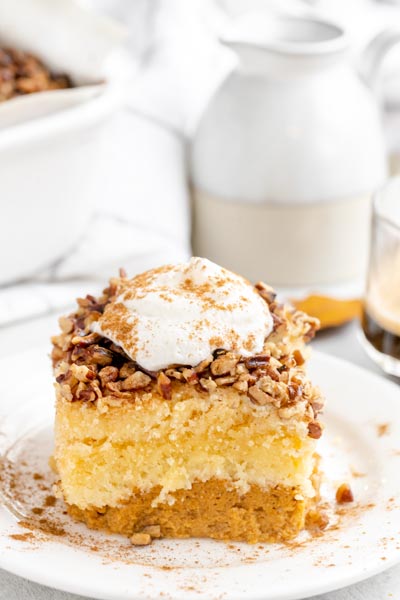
{"x": 344, "y": 494}
{"x": 141, "y": 539}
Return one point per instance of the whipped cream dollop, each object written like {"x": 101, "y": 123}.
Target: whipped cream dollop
{"x": 179, "y": 314}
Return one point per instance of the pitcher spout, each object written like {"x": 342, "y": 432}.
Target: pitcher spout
{"x": 263, "y": 40}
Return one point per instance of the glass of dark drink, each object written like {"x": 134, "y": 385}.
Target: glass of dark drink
{"x": 381, "y": 313}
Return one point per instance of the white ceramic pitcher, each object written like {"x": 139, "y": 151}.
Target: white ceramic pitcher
{"x": 287, "y": 154}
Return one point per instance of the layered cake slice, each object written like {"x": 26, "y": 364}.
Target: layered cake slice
{"x": 184, "y": 409}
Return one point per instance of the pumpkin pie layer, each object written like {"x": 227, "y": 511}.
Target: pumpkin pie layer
{"x": 210, "y": 509}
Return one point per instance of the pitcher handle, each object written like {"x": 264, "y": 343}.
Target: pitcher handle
{"x": 374, "y": 55}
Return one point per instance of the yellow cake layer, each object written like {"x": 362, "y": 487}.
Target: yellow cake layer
{"x": 103, "y": 452}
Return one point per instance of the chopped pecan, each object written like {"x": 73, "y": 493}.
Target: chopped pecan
{"x": 224, "y": 364}
{"x": 86, "y": 395}
{"x": 63, "y": 377}
{"x": 202, "y": 366}
{"x": 278, "y": 323}
{"x": 174, "y": 373}
{"x": 266, "y": 292}
{"x": 57, "y": 355}
{"x": 241, "y": 385}
{"x": 141, "y": 539}
{"x": 208, "y": 384}
{"x": 86, "y": 340}
{"x": 275, "y": 362}
{"x": 276, "y": 389}
{"x": 93, "y": 355}
{"x": 79, "y": 325}
{"x": 108, "y": 374}
{"x": 164, "y": 386}
{"x": 82, "y": 373}
{"x": 118, "y": 350}
{"x": 122, "y": 273}
{"x": 258, "y": 396}
{"x": 285, "y": 413}
{"x": 295, "y": 391}
{"x": 66, "y": 324}
{"x": 344, "y": 494}
{"x": 154, "y": 531}
{"x": 251, "y": 378}
{"x": 260, "y": 360}
{"x": 316, "y": 520}
{"x": 91, "y": 303}
{"x": 284, "y": 378}
{"x": 62, "y": 341}
{"x": 190, "y": 376}
{"x": 314, "y": 430}
{"x": 220, "y": 381}
{"x": 127, "y": 369}
{"x": 241, "y": 369}
{"x": 299, "y": 358}
{"x": 289, "y": 362}
{"x": 115, "y": 388}
{"x": 66, "y": 393}
{"x": 273, "y": 373}
{"x": 313, "y": 326}
{"x": 92, "y": 317}
{"x": 316, "y": 407}
{"x": 112, "y": 289}
{"x": 136, "y": 381}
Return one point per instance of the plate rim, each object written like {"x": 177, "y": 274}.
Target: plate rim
{"x": 11, "y": 562}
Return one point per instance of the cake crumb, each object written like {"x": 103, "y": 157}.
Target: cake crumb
{"x": 22, "y": 537}
{"x": 382, "y": 429}
{"x": 316, "y": 521}
{"x": 154, "y": 531}
{"x": 49, "y": 501}
{"x": 141, "y": 539}
{"x": 356, "y": 474}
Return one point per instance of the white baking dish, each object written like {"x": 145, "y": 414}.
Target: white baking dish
{"x": 48, "y": 182}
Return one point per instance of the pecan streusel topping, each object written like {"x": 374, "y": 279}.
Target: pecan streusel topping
{"x": 90, "y": 367}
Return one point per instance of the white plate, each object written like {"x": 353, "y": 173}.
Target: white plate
{"x": 361, "y": 445}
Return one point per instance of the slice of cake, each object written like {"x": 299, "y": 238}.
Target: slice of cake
{"x": 184, "y": 409}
